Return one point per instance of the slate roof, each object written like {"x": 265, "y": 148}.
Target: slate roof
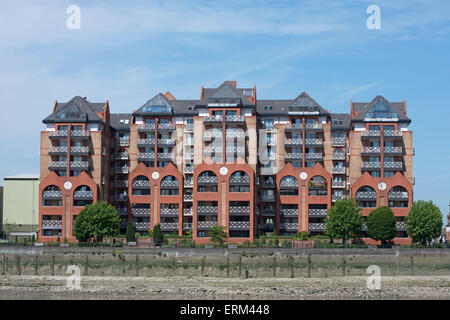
{"x": 158, "y": 100}
{"x": 363, "y": 107}
{"x": 343, "y": 119}
{"x": 225, "y": 90}
{"x": 290, "y": 106}
{"x": 76, "y": 110}
{"x": 117, "y": 125}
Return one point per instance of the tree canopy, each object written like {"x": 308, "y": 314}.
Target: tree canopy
{"x": 344, "y": 220}
{"x": 97, "y": 221}
{"x": 424, "y": 221}
{"x": 381, "y": 224}
{"x": 218, "y": 234}
{"x": 158, "y": 237}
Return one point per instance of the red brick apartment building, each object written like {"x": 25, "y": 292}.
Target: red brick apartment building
{"x": 227, "y": 159}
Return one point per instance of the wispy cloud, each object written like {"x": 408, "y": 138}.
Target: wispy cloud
{"x": 348, "y": 92}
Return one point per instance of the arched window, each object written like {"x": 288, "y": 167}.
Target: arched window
{"x": 82, "y": 196}
{"x": 289, "y": 186}
{"x": 398, "y": 197}
{"x": 239, "y": 182}
{"x": 140, "y": 186}
{"x": 207, "y": 182}
{"x": 170, "y": 186}
{"x": 317, "y": 186}
{"x": 52, "y": 196}
{"x": 366, "y": 197}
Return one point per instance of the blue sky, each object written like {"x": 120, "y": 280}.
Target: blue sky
{"x": 127, "y": 51}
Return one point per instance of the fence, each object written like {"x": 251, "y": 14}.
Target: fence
{"x": 238, "y": 265}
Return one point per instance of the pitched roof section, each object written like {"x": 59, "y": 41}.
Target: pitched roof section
{"x": 158, "y": 105}
{"x": 380, "y": 108}
{"x": 120, "y": 121}
{"x": 76, "y": 110}
{"x": 340, "y": 122}
{"x": 229, "y": 92}
{"x": 302, "y": 104}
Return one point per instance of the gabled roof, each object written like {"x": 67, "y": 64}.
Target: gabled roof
{"x": 159, "y": 105}
{"x": 120, "y": 121}
{"x": 395, "y": 110}
{"x": 302, "y": 103}
{"x": 76, "y": 110}
{"x": 226, "y": 90}
{"x": 340, "y": 122}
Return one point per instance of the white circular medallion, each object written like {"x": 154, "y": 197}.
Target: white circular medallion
{"x": 382, "y": 186}
{"x": 155, "y": 175}
{"x": 67, "y": 185}
{"x": 303, "y": 175}
{"x": 223, "y": 171}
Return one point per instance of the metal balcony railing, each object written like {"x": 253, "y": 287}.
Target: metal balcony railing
{"x": 268, "y": 198}
{"x": 338, "y": 141}
{"x": 338, "y": 170}
{"x": 58, "y": 134}
{"x": 189, "y": 127}
{"x": 80, "y": 134}
{"x": 80, "y": 165}
{"x": 338, "y": 156}
{"x": 166, "y": 142}
{"x": 316, "y": 226}
{"x": 188, "y": 211}
{"x": 166, "y": 156}
{"x": 370, "y": 133}
{"x": 317, "y": 212}
{"x": 370, "y": 150}
{"x": 393, "y": 133}
{"x": 146, "y": 142}
{"x": 293, "y": 142}
{"x": 268, "y": 212}
{"x": 313, "y": 126}
{"x": 398, "y": 195}
{"x": 338, "y": 184}
{"x": 289, "y": 184}
{"x": 294, "y": 127}
{"x": 188, "y": 156}
{"x": 208, "y": 135}
{"x": 313, "y": 156}
{"x": 121, "y": 184}
{"x": 397, "y": 150}
{"x": 313, "y": 141}
{"x": 57, "y": 150}
{"x": 235, "y": 134}
{"x": 146, "y": 127}
{"x": 51, "y": 224}
{"x": 146, "y": 156}
{"x": 123, "y": 141}
{"x": 169, "y": 212}
{"x": 188, "y": 170}
{"x": 140, "y": 212}
{"x": 207, "y": 210}
{"x": 336, "y": 197}
{"x": 122, "y": 170}
{"x": 293, "y": 156}
{"x": 239, "y": 225}
{"x": 55, "y": 165}
{"x": 89, "y": 195}
{"x": 207, "y": 180}
{"x": 289, "y": 212}
{"x": 142, "y": 226}
{"x": 141, "y": 183}
{"x": 188, "y": 183}
{"x": 169, "y": 226}
{"x": 188, "y": 197}
{"x": 170, "y": 184}
{"x": 212, "y": 119}
{"x": 235, "y": 150}
{"x": 400, "y": 225}
{"x": 205, "y": 225}
{"x": 52, "y": 195}
{"x": 234, "y": 118}
{"x": 121, "y": 156}
{"x": 240, "y": 180}
{"x": 121, "y": 197}
{"x": 366, "y": 195}
{"x": 239, "y": 209}
{"x": 393, "y": 165}
{"x": 289, "y": 226}
{"x": 79, "y": 150}
{"x": 187, "y": 226}
{"x": 371, "y": 165}
{"x": 166, "y": 126}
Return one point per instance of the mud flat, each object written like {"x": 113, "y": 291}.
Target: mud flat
{"x": 199, "y": 288}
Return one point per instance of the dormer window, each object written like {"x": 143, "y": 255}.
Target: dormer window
{"x": 381, "y": 111}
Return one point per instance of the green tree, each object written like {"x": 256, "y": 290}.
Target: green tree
{"x": 131, "y": 233}
{"x": 344, "y": 220}
{"x": 381, "y": 224}
{"x": 424, "y": 221}
{"x": 304, "y": 235}
{"x": 158, "y": 237}
{"x": 218, "y": 234}
{"x": 97, "y": 221}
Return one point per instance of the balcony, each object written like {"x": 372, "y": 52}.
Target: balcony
{"x": 235, "y": 134}
{"x": 289, "y": 226}
{"x": 338, "y": 156}
{"x": 52, "y": 195}
{"x": 338, "y": 170}
{"x": 293, "y": 127}
{"x": 313, "y": 126}
{"x": 188, "y": 183}
{"x": 79, "y": 165}
{"x": 188, "y": 197}
{"x": 188, "y": 156}
{"x": 83, "y": 195}
{"x": 122, "y": 170}
{"x": 314, "y": 156}
{"x": 146, "y": 142}
{"x": 235, "y": 119}
{"x": 393, "y": 133}
{"x": 207, "y": 151}
{"x": 206, "y": 210}
{"x": 320, "y": 213}
{"x": 366, "y": 195}
{"x": 170, "y": 184}
{"x": 240, "y": 180}
{"x": 140, "y": 184}
{"x": 206, "y": 225}
{"x": 169, "y": 226}
{"x": 289, "y": 212}
{"x": 292, "y": 142}
{"x": 268, "y": 198}
{"x": 288, "y": 184}
{"x": 188, "y": 212}
{"x": 336, "y": 197}
{"x": 58, "y": 134}
{"x": 146, "y": 156}
{"x": 166, "y": 156}
{"x": 338, "y": 141}
{"x": 54, "y": 151}
{"x": 57, "y": 165}
{"x": 121, "y": 197}
{"x": 188, "y": 142}
{"x": 80, "y": 134}
{"x": 400, "y": 225}
{"x": 51, "y": 224}
{"x": 122, "y": 211}
{"x": 268, "y": 227}
{"x": 313, "y": 142}
{"x": 240, "y": 150}
{"x": 146, "y": 127}
{"x": 370, "y": 150}
{"x": 398, "y": 195}
{"x": 169, "y": 212}
{"x": 239, "y": 210}
{"x": 79, "y": 151}
{"x": 140, "y": 212}
{"x": 142, "y": 226}
{"x": 370, "y": 134}
{"x": 166, "y": 127}
{"x": 268, "y": 212}
{"x": 292, "y": 156}
{"x": 212, "y": 120}
{"x": 389, "y": 166}
{"x": 370, "y": 165}
{"x": 189, "y": 127}
{"x": 239, "y": 225}
{"x": 316, "y": 226}
{"x": 188, "y": 170}
{"x": 338, "y": 184}
{"x": 393, "y": 150}
{"x": 166, "y": 143}
{"x": 207, "y": 180}
{"x": 123, "y": 142}
{"x": 121, "y": 156}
